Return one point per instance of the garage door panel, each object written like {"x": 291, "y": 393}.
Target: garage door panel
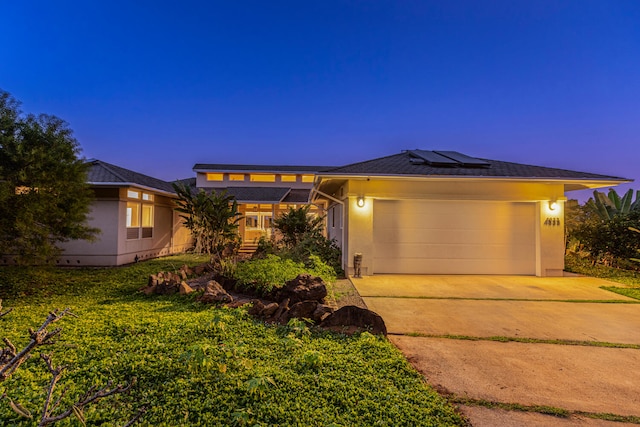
{"x": 453, "y": 266}
{"x": 427, "y": 237}
{"x": 445, "y": 251}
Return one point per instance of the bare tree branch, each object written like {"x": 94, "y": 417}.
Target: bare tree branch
{"x": 92, "y": 395}
{"x": 10, "y": 360}
{"x": 4, "y": 313}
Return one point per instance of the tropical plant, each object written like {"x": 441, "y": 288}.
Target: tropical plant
{"x": 610, "y": 242}
{"x": 212, "y": 219}
{"x": 297, "y": 225}
{"x": 611, "y": 205}
{"x": 300, "y": 237}
{"x": 44, "y": 195}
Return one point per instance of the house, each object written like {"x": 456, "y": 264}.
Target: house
{"x": 443, "y": 212}
{"x": 135, "y": 213}
{"x": 414, "y": 212}
{"x": 263, "y": 192}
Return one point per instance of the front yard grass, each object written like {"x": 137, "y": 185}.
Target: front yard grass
{"x": 201, "y": 366}
{"x": 630, "y": 278}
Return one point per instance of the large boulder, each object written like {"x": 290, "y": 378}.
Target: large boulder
{"x": 350, "y": 318}
{"x": 302, "y": 310}
{"x": 305, "y": 287}
{"x": 214, "y": 293}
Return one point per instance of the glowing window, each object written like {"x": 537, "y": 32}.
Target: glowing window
{"x": 288, "y": 178}
{"x": 307, "y": 178}
{"x": 263, "y": 177}
{"x": 133, "y": 214}
{"x": 133, "y": 194}
{"x": 215, "y": 176}
{"x": 147, "y": 215}
{"x": 236, "y": 177}
{"x": 148, "y": 197}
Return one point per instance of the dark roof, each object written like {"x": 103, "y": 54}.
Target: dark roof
{"x": 405, "y": 163}
{"x": 105, "y": 173}
{"x": 255, "y": 194}
{"x": 209, "y": 167}
{"x": 188, "y": 182}
{"x": 297, "y": 196}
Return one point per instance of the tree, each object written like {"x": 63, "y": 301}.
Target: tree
{"x": 44, "y": 196}
{"x": 297, "y": 225}
{"x": 211, "y": 218}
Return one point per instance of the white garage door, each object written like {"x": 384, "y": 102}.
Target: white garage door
{"x": 436, "y": 237}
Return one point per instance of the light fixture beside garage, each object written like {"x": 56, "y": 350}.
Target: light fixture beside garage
{"x": 360, "y": 201}
{"x": 553, "y": 205}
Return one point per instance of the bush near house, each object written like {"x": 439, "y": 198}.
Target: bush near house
{"x": 600, "y": 229}
{"x": 266, "y": 274}
{"x": 299, "y": 236}
{"x": 202, "y": 366}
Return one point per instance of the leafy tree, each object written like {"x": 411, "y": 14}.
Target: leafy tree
{"x": 44, "y": 195}
{"x": 211, "y": 218}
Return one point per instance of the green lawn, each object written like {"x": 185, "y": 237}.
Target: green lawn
{"x": 202, "y": 366}
{"x": 630, "y": 278}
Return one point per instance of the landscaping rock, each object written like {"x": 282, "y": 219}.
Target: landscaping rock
{"x": 149, "y": 290}
{"x": 281, "y": 312}
{"x": 321, "y": 312}
{"x": 270, "y": 309}
{"x": 305, "y": 287}
{"x": 257, "y": 308}
{"x": 302, "y": 310}
{"x": 184, "y": 288}
{"x": 351, "y": 316}
{"x": 215, "y": 293}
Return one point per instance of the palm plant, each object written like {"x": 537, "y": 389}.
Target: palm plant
{"x": 212, "y": 219}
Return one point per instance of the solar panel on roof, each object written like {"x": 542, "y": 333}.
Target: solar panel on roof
{"x": 433, "y": 158}
{"x": 463, "y": 159}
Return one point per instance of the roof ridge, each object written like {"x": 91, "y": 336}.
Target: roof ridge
{"x": 108, "y": 167}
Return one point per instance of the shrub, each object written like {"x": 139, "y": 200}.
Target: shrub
{"x": 611, "y": 242}
{"x": 265, "y": 274}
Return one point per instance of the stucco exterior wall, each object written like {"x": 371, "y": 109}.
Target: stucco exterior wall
{"x": 108, "y": 213}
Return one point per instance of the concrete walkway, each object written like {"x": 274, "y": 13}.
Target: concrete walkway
{"x": 572, "y": 377}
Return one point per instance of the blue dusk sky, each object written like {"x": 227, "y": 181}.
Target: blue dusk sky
{"x": 158, "y": 86}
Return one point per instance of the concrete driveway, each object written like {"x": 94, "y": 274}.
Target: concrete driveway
{"x": 517, "y": 340}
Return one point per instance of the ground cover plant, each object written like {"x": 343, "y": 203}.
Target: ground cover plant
{"x": 263, "y": 275}
{"x": 201, "y": 366}
{"x": 630, "y": 278}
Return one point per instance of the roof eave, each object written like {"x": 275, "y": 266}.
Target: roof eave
{"x": 131, "y": 184}
{"x": 598, "y": 182}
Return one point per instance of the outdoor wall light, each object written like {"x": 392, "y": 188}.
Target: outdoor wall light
{"x": 553, "y": 205}
{"x": 360, "y": 202}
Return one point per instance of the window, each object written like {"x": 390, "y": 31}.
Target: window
{"x": 215, "y": 176}
{"x": 133, "y": 214}
{"x": 288, "y": 178}
{"x": 263, "y": 177}
{"x": 251, "y": 220}
{"x": 307, "y": 178}
{"x": 139, "y": 220}
{"x": 147, "y": 215}
{"x": 236, "y": 177}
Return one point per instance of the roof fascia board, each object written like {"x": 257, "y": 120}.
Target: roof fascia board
{"x": 612, "y": 181}
{"x": 130, "y": 184}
